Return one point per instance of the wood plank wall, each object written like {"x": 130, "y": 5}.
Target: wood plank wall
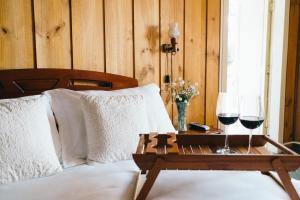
{"x": 16, "y": 34}
{"x": 292, "y": 92}
{"x": 117, "y": 36}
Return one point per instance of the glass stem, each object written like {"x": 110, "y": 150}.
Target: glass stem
{"x": 250, "y": 141}
{"x": 226, "y": 146}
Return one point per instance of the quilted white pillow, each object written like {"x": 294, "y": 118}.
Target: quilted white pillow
{"x": 113, "y": 124}
{"x": 51, "y": 119}
{"x": 69, "y": 115}
{"x": 158, "y": 118}
{"x": 26, "y": 144}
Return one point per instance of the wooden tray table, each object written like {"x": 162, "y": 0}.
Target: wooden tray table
{"x": 157, "y": 152}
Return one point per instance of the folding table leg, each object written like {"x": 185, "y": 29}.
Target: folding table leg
{"x": 151, "y": 177}
{"x": 285, "y": 179}
{"x": 277, "y": 180}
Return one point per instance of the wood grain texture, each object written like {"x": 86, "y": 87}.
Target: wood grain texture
{"x": 212, "y": 60}
{"x": 291, "y": 72}
{"x": 52, "y": 26}
{"x": 294, "y": 2}
{"x": 16, "y": 36}
{"x": 119, "y": 37}
{"x": 24, "y": 82}
{"x": 146, "y": 40}
{"x": 195, "y": 49}
{"x": 88, "y": 35}
{"x": 171, "y": 11}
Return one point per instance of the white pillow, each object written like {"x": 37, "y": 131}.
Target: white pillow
{"x": 113, "y": 125}
{"x": 26, "y": 144}
{"x": 53, "y": 128}
{"x": 158, "y": 118}
{"x": 51, "y": 119}
{"x": 69, "y": 115}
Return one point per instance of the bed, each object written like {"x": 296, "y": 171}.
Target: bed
{"x": 117, "y": 180}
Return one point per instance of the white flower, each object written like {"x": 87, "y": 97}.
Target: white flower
{"x": 180, "y": 88}
{"x": 181, "y": 83}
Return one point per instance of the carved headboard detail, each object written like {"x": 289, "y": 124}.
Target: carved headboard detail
{"x": 24, "y": 82}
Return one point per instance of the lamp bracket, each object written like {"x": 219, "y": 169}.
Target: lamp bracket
{"x": 168, "y": 48}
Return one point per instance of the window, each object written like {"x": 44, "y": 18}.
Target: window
{"x": 244, "y": 50}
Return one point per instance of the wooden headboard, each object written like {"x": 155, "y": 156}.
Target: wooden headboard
{"x": 23, "y": 82}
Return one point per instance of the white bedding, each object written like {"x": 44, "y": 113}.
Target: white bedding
{"x": 83, "y": 182}
{"x": 117, "y": 182}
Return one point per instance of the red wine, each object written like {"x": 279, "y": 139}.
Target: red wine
{"x": 251, "y": 122}
{"x": 228, "y": 118}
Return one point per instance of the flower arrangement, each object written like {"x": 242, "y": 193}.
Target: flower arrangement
{"x": 183, "y": 91}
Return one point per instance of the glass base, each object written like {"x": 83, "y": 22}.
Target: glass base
{"x": 249, "y": 152}
{"x": 225, "y": 151}
{"x": 182, "y": 132}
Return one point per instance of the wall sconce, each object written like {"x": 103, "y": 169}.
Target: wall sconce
{"x": 171, "y": 48}
{"x": 174, "y": 34}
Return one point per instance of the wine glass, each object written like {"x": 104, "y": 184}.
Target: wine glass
{"x": 228, "y": 113}
{"x": 251, "y": 114}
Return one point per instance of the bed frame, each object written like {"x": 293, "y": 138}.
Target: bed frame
{"x": 23, "y": 82}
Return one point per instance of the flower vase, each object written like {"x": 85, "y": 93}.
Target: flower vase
{"x": 181, "y": 107}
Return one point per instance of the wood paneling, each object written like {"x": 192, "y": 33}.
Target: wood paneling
{"x": 88, "y": 35}
{"x": 172, "y": 11}
{"x": 119, "y": 37}
{"x": 146, "y": 41}
{"x": 16, "y": 36}
{"x": 194, "y": 56}
{"x": 212, "y": 60}
{"x": 52, "y": 31}
{"x": 291, "y": 73}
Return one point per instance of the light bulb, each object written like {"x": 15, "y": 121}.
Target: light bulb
{"x": 174, "y": 30}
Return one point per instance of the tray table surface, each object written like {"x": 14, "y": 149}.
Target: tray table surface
{"x": 156, "y": 152}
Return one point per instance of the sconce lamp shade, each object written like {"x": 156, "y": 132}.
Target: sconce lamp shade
{"x": 174, "y": 34}
{"x": 174, "y": 30}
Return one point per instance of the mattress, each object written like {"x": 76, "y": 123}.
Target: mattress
{"x": 83, "y": 182}
{"x": 117, "y": 182}
{"x": 217, "y": 185}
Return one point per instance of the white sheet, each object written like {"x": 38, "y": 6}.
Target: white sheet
{"x": 117, "y": 182}
{"x": 83, "y": 182}
{"x": 216, "y": 185}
